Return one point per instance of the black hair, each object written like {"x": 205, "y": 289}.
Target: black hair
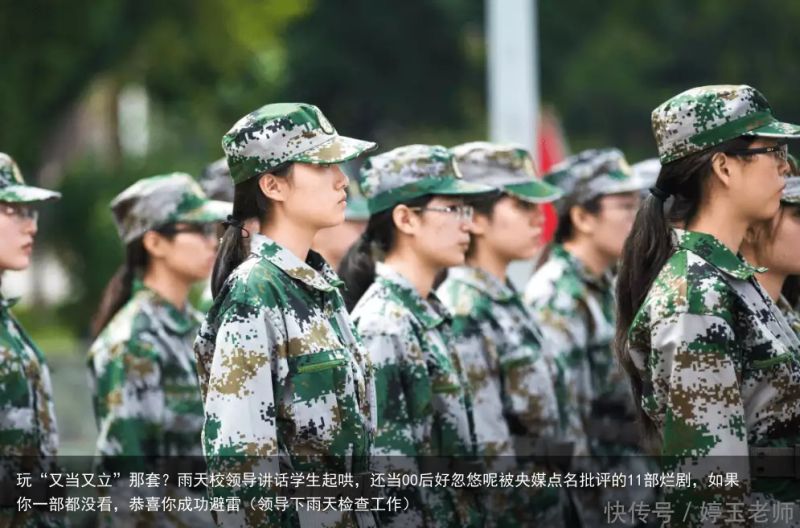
{"x": 564, "y": 228}
{"x": 649, "y": 246}
{"x": 248, "y": 202}
{"x": 357, "y": 268}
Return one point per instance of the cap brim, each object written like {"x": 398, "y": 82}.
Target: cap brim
{"x": 210, "y": 211}
{"x": 356, "y": 209}
{"x": 534, "y": 191}
{"x": 337, "y": 150}
{"x": 776, "y": 129}
{"x": 791, "y": 193}
{"x": 453, "y": 186}
{"x": 27, "y": 194}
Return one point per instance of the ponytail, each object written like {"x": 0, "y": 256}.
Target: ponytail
{"x": 357, "y": 268}
{"x": 120, "y": 288}
{"x": 649, "y": 246}
{"x": 248, "y": 202}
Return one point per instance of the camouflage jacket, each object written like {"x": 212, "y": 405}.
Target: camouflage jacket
{"x": 718, "y": 364}
{"x": 144, "y": 380}
{"x": 285, "y": 379}
{"x": 790, "y": 314}
{"x": 424, "y": 407}
{"x": 576, "y": 314}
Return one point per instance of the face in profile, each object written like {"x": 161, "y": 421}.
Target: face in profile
{"x": 18, "y": 227}
{"x": 189, "y": 253}
{"x": 315, "y": 196}
{"x": 441, "y": 237}
{"x": 513, "y": 231}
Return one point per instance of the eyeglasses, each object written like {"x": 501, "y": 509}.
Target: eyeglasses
{"x": 208, "y": 230}
{"x": 20, "y": 211}
{"x": 463, "y": 212}
{"x": 780, "y": 152}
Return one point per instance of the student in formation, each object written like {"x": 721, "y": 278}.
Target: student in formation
{"x": 712, "y": 361}
{"x": 286, "y": 382}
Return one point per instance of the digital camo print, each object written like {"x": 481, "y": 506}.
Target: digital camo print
{"x": 576, "y": 313}
{"x": 513, "y": 397}
{"x": 216, "y": 181}
{"x": 28, "y": 429}
{"x": 165, "y": 199}
{"x": 791, "y": 193}
{"x": 424, "y": 407}
{"x": 592, "y": 173}
{"x": 504, "y": 167}
{"x": 720, "y": 371}
{"x": 286, "y": 383}
{"x": 285, "y": 132}
{"x": 703, "y": 117}
{"x": 790, "y": 314}
{"x": 13, "y": 188}
{"x": 409, "y": 172}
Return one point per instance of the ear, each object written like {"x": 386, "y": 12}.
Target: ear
{"x": 154, "y": 244}
{"x": 721, "y": 167}
{"x": 582, "y": 220}
{"x": 273, "y": 187}
{"x": 405, "y": 220}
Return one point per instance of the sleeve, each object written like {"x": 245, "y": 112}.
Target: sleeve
{"x": 695, "y": 399}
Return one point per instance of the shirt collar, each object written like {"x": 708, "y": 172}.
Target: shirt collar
{"x": 6, "y": 304}
{"x": 179, "y": 322}
{"x": 483, "y": 281}
{"x": 716, "y": 253}
{"x": 431, "y": 312}
{"x": 314, "y": 272}
{"x": 560, "y": 252}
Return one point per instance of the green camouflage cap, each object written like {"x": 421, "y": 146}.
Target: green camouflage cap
{"x": 165, "y": 199}
{"x": 409, "y": 172}
{"x": 285, "y": 132}
{"x": 592, "y": 173}
{"x": 703, "y": 117}
{"x": 13, "y": 188}
{"x": 508, "y": 168}
{"x": 357, "y": 209}
{"x": 791, "y": 193}
{"x": 216, "y": 181}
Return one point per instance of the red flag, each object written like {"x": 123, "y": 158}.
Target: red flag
{"x": 551, "y": 149}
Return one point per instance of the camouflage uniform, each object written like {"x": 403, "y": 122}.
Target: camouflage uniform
{"x": 576, "y": 312}
{"x": 717, "y": 360}
{"x": 791, "y": 197}
{"x": 500, "y": 348}
{"x": 286, "y": 383}
{"x": 424, "y": 405}
{"x": 27, "y": 416}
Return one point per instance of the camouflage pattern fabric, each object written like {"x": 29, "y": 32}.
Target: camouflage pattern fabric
{"x": 791, "y": 193}
{"x": 165, "y": 199}
{"x": 285, "y": 132}
{"x": 216, "y": 181}
{"x": 286, "y": 383}
{"x": 409, "y": 172}
{"x": 13, "y": 188}
{"x": 500, "y": 350}
{"x": 703, "y": 117}
{"x": 720, "y": 370}
{"x": 790, "y": 314}
{"x": 28, "y": 429}
{"x": 424, "y": 407}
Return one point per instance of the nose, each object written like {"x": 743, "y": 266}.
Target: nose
{"x": 31, "y": 226}
{"x": 341, "y": 181}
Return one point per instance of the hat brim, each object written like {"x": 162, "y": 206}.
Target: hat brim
{"x": 357, "y": 209}
{"x": 27, "y": 194}
{"x": 534, "y": 191}
{"x": 447, "y": 186}
{"x": 210, "y": 211}
{"x": 458, "y": 187}
{"x": 338, "y": 150}
{"x": 776, "y": 129}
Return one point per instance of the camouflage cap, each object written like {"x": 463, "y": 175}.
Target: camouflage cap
{"x": 357, "y": 209}
{"x": 791, "y": 193}
{"x": 13, "y": 188}
{"x": 706, "y": 116}
{"x": 216, "y": 181}
{"x": 165, "y": 199}
{"x": 410, "y": 172}
{"x": 285, "y": 132}
{"x": 508, "y": 168}
{"x": 647, "y": 171}
{"x": 592, "y": 173}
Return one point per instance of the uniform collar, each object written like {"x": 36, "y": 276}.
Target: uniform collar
{"x": 716, "y": 253}
{"x": 559, "y": 252}
{"x": 179, "y": 322}
{"x": 6, "y": 304}
{"x": 483, "y": 281}
{"x": 314, "y": 272}
{"x": 430, "y": 311}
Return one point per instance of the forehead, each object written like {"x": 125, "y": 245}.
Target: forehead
{"x": 447, "y": 200}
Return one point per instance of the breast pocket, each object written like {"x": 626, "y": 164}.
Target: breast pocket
{"x": 318, "y": 381}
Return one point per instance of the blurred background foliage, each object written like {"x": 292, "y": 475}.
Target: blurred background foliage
{"x": 397, "y": 72}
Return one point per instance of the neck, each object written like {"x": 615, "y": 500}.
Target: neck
{"x": 488, "y": 261}
{"x": 772, "y": 282}
{"x": 595, "y": 262}
{"x": 419, "y": 273}
{"x": 296, "y": 239}
{"x": 722, "y": 224}
{"x": 167, "y": 285}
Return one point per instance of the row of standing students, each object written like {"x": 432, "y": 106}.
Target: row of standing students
{"x": 472, "y": 370}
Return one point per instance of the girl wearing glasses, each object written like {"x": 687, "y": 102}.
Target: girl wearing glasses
{"x": 27, "y": 416}
{"x": 146, "y": 396}
{"x": 418, "y": 226}
{"x": 712, "y": 362}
